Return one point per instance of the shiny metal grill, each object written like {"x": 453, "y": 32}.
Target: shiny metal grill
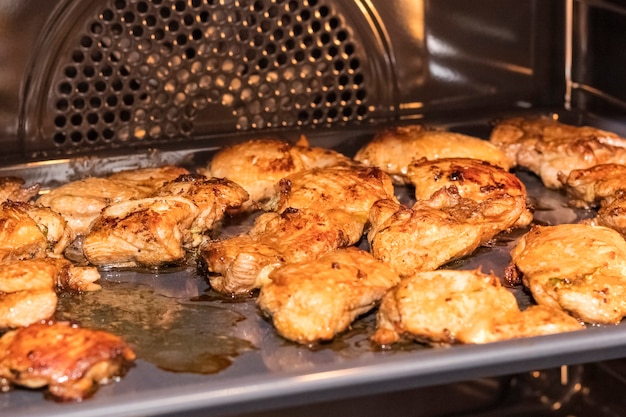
{"x": 140, "y": 70}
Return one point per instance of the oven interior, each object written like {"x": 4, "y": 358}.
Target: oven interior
{"x": 90, "y": 86}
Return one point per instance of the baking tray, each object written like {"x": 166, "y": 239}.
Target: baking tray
{"x": 205, "y": 354}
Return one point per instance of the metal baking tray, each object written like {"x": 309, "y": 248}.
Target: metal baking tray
{"x": 204, "y": 354}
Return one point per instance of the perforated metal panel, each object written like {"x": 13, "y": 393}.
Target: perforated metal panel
{"x": 131, "y": 71}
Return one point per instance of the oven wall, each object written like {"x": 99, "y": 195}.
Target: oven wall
{"x": 368, "y": 62}
{"x": 597, "y": 84}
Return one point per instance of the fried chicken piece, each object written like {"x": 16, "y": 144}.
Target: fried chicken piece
{"x": 612, "y": 213}
{"x": 436, "y": 306}
{"x": 603, "y": 186}
{"x": 214, "y": 197}
{"x": 497, "y": 191}
{"x": 20, "y": 236}
{"x": 548, "y": 147}
{"x": 28, "y": 231}
{"x": 589, "y": 187}
{"x": 28, "y": 288}
{"x": 149, "y": 180}
{"x": 394, "y": 150}
{"x": 353, "y": 189}
{"x": 313, "y": 301}
{"x": 461, "y": 205}
{"x": 243, "y": 263}
{"x": 147, "y": 232}
{"x": 578, "y": 268}
{"x": 80, "y": 202}
{"x": 70, "y": 361}
{"x": 257, "y": 165}
{"x": 536, "y": 320}
{"x": 12, "y": 188}
{"x": 160, "y": 230}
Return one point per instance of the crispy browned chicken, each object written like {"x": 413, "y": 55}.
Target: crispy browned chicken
{"x": 214, "y": 197}
{"x": 312, "y": 301}
{"x": 28, "y": 288}
{"x": 315, "y": 211}
{"x": 603, "y": 186}
{"x": 395, "y": 149}
{"x": 454, "y": 306}
{"x": 80, "y": 202}
{"x": 590, "y": 187}
{"x": 578, "y": 268}
{"x": 243, "y": 263}
{"x": 27, "y": 231}
{"x": 70, "y": 361}
{"x": 160, "y": 230}
{"x": 547, "y": 147}
{"x": 13, "y": 189}
{"x": 461, "y": 204}
{"x": 148, "y": 232}
{"x": 257, "y": 165}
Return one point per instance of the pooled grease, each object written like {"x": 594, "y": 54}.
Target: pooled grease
{"x": 173, "y": 334}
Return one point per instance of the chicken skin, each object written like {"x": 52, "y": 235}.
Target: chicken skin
{"x": 314, "y": 211}
{"x": 590, "y": 187}
{"x": 257, "y": 165}
{"x": 13, "y": 189}
{"x": 70, "y": 361}
{"x": 80, "y": 202}
{"x": 454, "y": 306}
{"x": 603, "y": 186}
{"x": 547, "y": 260}
{"x": 27, "y": 231}
{"x": 314, "y": 300}
{"x": 461, "y": 204}
{"x": 161, "y": 230}
{"x": 547, "y": 147}
{"x": 241, "y": 264}
{"x": 28, "y": 288}
{"x": 394, "y": 150}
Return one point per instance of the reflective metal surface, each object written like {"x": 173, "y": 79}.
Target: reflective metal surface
{"x": 85, "y": 76}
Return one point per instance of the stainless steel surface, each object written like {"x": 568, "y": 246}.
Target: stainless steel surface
{"x": 85, "y": 76}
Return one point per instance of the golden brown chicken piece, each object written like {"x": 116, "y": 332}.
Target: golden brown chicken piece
{"x": 453, "y": 306}
{"x": 315, "y": 211}
{"x": 612, "y": 213}
{"x": 536, "y": 320}
{"x": 474, "y": 180}
{"x": 147, "y": 232}
{"x": 160, "y": 230}
{"x": 589, "y": 187}
{"x": 20, "y": 236}
{"x": 28, "y": 288}
{"x": 436, "y": 306}
{"x": 70, "y": 361}
{"x": 395, "y": 149}
{"x": 548, "y": 147}
{"x": 353, "y": 189}
{"x": 149, "y": 180}
{"x": 214, "y": 197}
{"x": 257, "y": 165}
{"x": 12, "y": 188}
{"x": 27, "y": 231}
{"x": 314, "y": 300}
{"x": 80, "y": 202}
{"x": 461, "y": 204}
{"x": 578, "y": 268}
{"x": 601, "y": 185}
